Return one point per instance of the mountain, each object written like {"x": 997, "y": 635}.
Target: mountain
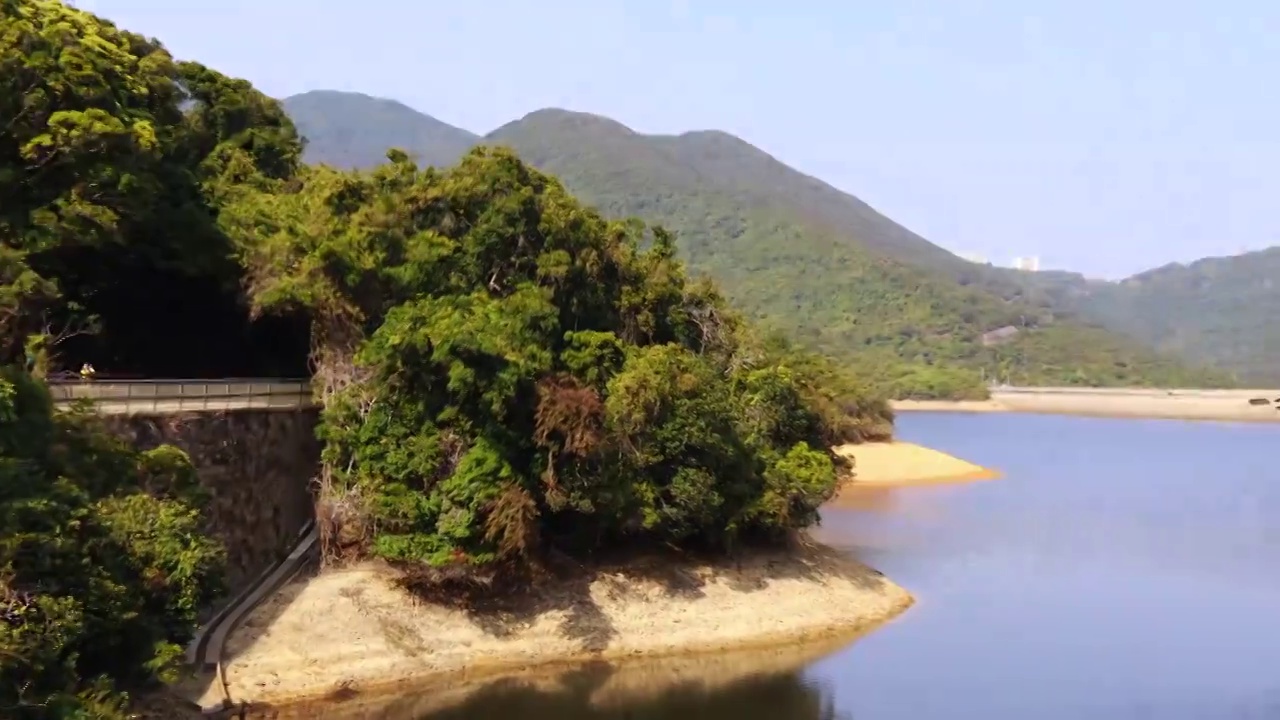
{"x": 351, "y": 130}
{"x": 1220, "y": 311}
{"x": 801, "y": 256}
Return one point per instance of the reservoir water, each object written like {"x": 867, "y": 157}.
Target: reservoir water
{"x": 1120, "y": 569}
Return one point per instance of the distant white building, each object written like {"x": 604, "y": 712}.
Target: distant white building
{"x": 973, "y": 258}
{"x": 1031, "y": 263}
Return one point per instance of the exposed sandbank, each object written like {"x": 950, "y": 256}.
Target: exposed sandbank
{"x": 904, "y": 463}
{"x": 973, "y": 406}
{"x": 355, "y": 631}
{"x": 1171, "y": 405}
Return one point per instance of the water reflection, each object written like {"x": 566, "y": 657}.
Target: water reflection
{"x": 887, "y": 518}
{"x": 783, "y": 696}
{"x": 740, "y": 685}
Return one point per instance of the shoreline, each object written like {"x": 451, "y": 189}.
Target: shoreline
{"x": 1222, "y": 407}
{"x": 352, "y": 636}
{"x": 600, "y": 685}
{"x": 354, "y": 631}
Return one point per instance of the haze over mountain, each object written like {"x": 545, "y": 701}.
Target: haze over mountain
{"x": 822, "y": 265}
{"x": 344, "y": 139}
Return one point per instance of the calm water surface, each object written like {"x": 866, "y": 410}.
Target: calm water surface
{"x": 1121, "y": 569}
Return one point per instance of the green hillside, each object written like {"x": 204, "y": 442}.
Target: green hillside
{"x": 1222, "y": 311}
{"x": 814, "y": 263}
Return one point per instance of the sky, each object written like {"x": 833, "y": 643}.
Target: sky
{"x": 1105, "y": 137}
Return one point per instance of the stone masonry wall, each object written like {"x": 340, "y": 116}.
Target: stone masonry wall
{"x": 256, "y": 464}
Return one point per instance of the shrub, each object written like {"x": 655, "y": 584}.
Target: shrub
{"x": 103, "y": 562}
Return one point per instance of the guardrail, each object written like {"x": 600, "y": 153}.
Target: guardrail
{"x": 165, "y": 396}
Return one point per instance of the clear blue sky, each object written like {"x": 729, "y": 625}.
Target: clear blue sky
{"x": 1105, "y": 136}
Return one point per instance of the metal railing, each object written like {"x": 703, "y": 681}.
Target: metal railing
{"x": 174, "y": 395}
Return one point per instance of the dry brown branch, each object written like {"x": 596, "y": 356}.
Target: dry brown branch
{"x": 342, "y": 513}
{"x": 569, "y": 415}
{"x": 512, "y": 522}
{"x": 342, "y": 521}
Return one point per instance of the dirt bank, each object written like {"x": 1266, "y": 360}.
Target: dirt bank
{"x": 1180, "y": 405}
{"x": 355, "y": 631}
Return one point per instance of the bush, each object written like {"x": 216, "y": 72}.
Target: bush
{"x": 103, "y": 562}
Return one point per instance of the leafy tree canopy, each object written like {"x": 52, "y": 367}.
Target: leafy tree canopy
{"x": 113, "y": 161}
{"x": 505, "y": 369}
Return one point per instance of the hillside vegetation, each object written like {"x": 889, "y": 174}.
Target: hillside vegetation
{"x": 505, "y": 373}
{"x": 1222, "y": 311}
{"x": 818, "y": 265}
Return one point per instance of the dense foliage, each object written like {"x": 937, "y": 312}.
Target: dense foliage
{"x": 506, "y": 370}
{"x": 103, "y": 563}
{"x": 108, "y": 153}
{"x": 797, "y": 254}
{"x": 112, "y": 158}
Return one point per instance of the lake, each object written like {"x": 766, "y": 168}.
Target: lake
{"x": 1121, "y": 569}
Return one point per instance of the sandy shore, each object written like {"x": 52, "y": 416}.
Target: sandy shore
{"x": 1180, "y": 405}
{"x": 354, "y": 631}
{"x": 973, "y": 406}
{"x": 904, "y": 463}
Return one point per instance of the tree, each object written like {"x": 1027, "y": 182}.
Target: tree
{"x": 113, "y": 162}
{"x": 503, "y": 370}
